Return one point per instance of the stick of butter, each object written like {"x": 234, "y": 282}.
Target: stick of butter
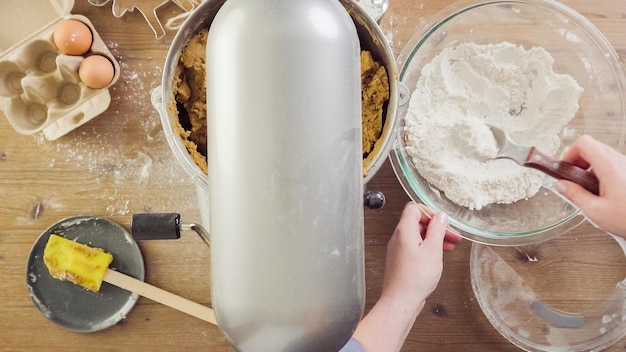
{"x": 82, "y": 265}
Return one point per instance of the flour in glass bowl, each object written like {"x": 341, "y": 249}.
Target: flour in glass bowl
{"x": 461, "y": 90}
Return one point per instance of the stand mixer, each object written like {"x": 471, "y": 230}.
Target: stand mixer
{"x": 285, "y": 174}
{"x": 284, "y": 197}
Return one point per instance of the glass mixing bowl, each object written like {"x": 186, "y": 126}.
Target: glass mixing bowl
{"x": 551, "y": 296}
{"x": 578, "y": 49}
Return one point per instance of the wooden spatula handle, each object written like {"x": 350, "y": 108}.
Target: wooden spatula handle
{"x": 159, "y": 295}
{"x": 562, "y": 170}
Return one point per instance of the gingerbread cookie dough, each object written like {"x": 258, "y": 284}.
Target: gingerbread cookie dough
{"x": 189, "y": 88}
{"x": 374, "y": 95}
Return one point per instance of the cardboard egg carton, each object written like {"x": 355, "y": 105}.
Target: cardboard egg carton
{"x": 40, "y": 90}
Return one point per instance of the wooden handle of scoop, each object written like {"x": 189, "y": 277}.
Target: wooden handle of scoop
{"x": 159, "y": 295}
{"x": 562, "y": 170}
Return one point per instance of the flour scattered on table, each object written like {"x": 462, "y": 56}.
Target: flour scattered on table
{"x": 463, "y": 88}
{"x": 128, "y": 169}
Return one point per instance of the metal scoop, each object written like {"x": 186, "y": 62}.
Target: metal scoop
{"x": 531, "y": 157}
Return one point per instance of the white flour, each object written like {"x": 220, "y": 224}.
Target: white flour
{"x": 466, "y": 86}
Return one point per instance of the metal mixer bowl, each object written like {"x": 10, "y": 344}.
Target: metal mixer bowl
{"x": 373, "y": 39}
{"x": 579, "y": 50}
{"x": 370, "y": 36}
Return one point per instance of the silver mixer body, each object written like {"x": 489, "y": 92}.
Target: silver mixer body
{"x": 285, "y": 174}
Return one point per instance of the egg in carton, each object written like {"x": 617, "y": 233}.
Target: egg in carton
{"x": 45, "y": 85}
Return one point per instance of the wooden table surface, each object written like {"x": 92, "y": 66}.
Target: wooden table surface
{"x": 119, "y": 164}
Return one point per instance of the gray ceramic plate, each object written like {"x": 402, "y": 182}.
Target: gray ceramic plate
{"x": 74, "y": 307}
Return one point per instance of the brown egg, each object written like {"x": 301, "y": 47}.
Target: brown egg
{"x": 96, "y": 71}
{"x": 72, "y": 37}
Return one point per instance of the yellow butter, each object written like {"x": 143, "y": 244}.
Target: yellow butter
{"x": 69, "y": 260}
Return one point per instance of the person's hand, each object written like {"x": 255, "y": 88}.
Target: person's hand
{"x": 608, "y": 209}
{"x": 450, "y": 239}
{"x": 412, "y": 271}
{"x": 414, "y": 259}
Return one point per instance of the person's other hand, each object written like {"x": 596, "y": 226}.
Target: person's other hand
{"x": 413, "y": 269}
{"x": 450, "y": 239}
{"x": 608, "y": 209}
{"x": 414, "y": 259}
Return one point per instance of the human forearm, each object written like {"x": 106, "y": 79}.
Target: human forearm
{"x": 387, "y": 325}
{"x": 412, "y": 270}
